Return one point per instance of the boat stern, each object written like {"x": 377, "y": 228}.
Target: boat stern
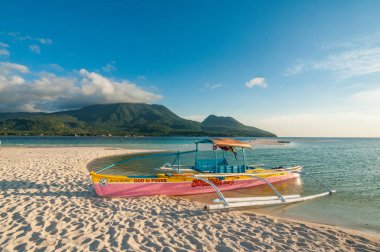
{"x": 101, "y": 182}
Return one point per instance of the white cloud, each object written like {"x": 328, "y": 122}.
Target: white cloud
{"x": 10, "y": 76}
{"x": 35, "y": 49}
{"x": 16, "y": 80}
{"x": 21, "y": 90}
{"x": 351, "y": 63}
{"x": 293, "y": 70}
{"x": 198, "y": 118}
{"x": 213, "y": 86}
{"x": 21, "y": 37}
{"x": 349, "y": 59}
{"x": 4, "y": 52}
{"x": 55, "y": 67}
{"x": 356, "y": 42}
{"x": 45, "y": 41}
{"x": 344, "y": 124}
{"x": 114, "y": 91}
{"x": 3, "y": 44}
{"x": 258, "y": 81}
{"x": 6, "y": 67}
{"x": 369, "y": 97}
{"x": 109, "y": 67}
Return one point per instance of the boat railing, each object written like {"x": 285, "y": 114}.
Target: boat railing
{"x": 209, "y": 165}
{"x": 174, "y": 154}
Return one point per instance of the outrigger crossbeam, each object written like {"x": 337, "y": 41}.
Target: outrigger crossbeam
{"x": 223, "y": 202}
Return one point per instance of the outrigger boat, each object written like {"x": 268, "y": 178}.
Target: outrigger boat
{"x": 205, "y": 176}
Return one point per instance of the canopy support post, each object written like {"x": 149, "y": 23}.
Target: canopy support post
{"x": 178, "y": 161}
{"x": 196, "y": 151}
{"x": 244, "y": 159}
{"x": 175, "y": 160}
{"x": 216, "y": 161}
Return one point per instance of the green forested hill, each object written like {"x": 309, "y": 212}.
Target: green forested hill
{"x": 231, "y": 127}
{"x": 121, "y": 119}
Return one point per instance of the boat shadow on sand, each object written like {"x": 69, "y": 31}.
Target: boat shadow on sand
{"x": 78, "y": 189}
{"x": 82, "y": 190}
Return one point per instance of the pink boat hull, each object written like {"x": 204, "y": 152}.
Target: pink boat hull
{"x": 177, "y": 188}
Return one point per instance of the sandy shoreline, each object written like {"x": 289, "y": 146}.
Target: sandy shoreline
{"x": 47, "y": 204}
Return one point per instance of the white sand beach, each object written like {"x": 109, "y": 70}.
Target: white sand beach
{"x": 48, "y": 204}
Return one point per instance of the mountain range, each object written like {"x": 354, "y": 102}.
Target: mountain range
{"x": 133, "y": 119}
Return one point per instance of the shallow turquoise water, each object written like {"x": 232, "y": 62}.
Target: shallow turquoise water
{"x": 356, "y": 162}
{"x": 357, "y": 201}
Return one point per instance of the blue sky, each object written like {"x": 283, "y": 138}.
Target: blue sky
{"x": 297, "y": 68}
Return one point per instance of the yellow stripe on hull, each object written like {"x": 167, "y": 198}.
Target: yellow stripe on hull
{"x": 184, "y": 177}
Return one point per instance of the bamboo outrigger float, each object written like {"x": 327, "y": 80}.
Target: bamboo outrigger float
{"x": 205, "y": 176}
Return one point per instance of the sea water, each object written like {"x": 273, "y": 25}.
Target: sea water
{"x": 349, "y": 165}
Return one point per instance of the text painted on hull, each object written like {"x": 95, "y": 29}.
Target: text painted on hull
{"x": 149, "y": 180}
{"x": 215, "y": 181}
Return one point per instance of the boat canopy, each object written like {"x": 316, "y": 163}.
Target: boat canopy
{"x": 222, "y": 142}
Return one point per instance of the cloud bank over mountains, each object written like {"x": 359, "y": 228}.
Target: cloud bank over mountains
{"x": 53, "y": 88}
{"x": 24, "y": 90}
